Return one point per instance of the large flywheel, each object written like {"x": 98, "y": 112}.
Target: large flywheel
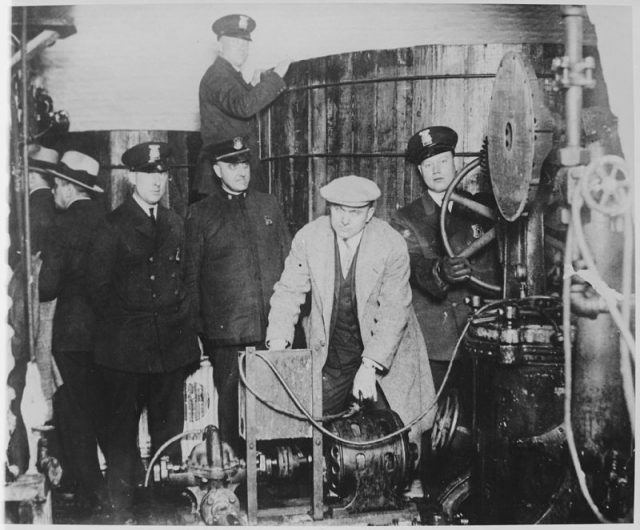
{"x": 520, "y": 134}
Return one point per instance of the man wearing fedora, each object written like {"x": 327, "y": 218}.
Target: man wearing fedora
{"x": 41, "y": 217}
{"x": 237, "y": 240}
{"x": 145, "y": 343}
{"x": 362, "y": 325}
{"x": 228, "y": 104}
{"x": 63, "y": 277}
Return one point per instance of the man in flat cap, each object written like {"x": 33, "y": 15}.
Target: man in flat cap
{"x": 63, "y": 277}
{"x": 228, "y": 104}
{"x": 237, "y": 241}
{"x": 439, "y": 282}
{"x": 362, "y": 324}
{"x": 145, "y": 341}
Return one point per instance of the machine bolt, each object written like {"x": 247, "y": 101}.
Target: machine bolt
{"x": 318, "y": 441}
{"x": 232, "y": 500}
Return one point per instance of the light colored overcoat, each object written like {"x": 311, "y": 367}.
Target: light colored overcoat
{"x": 390, "y": 331}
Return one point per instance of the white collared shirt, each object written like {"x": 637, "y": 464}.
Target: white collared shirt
{"x": 438, "y": 197}
{"x": 146, "y": 206}
{"x": 347, "y": 249}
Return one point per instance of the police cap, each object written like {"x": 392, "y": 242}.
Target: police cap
{"x": 147, "y": 157}
{"x": 230, "y": 151}
{"x": 238, "y": 26}
{"x": 430, "y": 142}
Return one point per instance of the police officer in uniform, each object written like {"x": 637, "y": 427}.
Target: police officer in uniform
{"x": 228, "y": 104}
{"x": 237, "y": 241}
{"x": 439, "y": 282}
{"x": 145, "y": 342}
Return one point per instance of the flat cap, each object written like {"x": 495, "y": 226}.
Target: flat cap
{"x": 230, "y": 151}
{"x": 147, "y": 157}
{"x": 351, "y": 191}
{"x": 238, "y": 26}
{"x": 430, "y": 142}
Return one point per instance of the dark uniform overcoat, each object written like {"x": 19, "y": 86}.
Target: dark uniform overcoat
{"x": 228, "y": 108}
{"x": 138, "y": 287}
{"x": 236, "y": 251}
{"x": 440, "y": 307}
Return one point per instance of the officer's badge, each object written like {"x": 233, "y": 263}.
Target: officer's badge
{"x": 243, "y": 21}
{"x": 425, "y": 136}
{"x": 154, "y": 152}
{"x": 237, "y": 143}
{"x": 477, "y": 231}
{"x": 406, "y": 233}
{"x": 267, "y": 220}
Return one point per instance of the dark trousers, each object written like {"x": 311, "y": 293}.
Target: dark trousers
{"x": 127, "y": 394}
{"x": 225, "y": 377}
{"x": 336, "y": 390}
{"x": 79, "y": 414}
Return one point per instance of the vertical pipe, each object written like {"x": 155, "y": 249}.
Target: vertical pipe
{"x": 573, "y": 50}
{"x": 25, "y": 187}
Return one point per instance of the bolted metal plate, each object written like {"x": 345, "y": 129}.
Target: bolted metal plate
{"x": 520, "y": 135}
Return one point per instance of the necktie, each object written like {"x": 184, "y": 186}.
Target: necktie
{"x": 345, "y": 260}
{"x": 153, "y": 217}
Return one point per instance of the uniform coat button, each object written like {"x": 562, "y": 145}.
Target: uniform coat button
{"x": 152, "y": 277}
{"x": 150, "y": 259}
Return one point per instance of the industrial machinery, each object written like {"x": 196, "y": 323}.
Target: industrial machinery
{"x": 551, "y": 432}
{"x": 552, "y": 377}
{"x": 360, "y": 471}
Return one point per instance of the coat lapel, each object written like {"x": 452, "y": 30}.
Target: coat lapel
{"x": 368, "y": 266}
{"x": 163, "y": 227}
{"x": 141, "y": 219}
{"x": 322, "y": 266}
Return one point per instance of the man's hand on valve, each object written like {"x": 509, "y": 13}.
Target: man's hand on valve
{"x": 454, "y": 269}
{"x": 364, "y": 383}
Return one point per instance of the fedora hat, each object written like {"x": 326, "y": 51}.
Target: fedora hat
{"x": 42, "y": 159}
{"x": 79, "y": 169}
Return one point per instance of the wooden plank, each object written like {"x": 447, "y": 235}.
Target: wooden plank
{"x": 339, "y": 123}
{"x": 363, "y": 112}
{"x": 317, "y": 137}
{"x": 404, "y": 126}
{"x": 385, "y": 133}
{"x": 297, "y": 134}
{"x": 179, "y": 177}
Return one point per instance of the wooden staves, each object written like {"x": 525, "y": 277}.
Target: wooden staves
{"x": 355, "y": 112}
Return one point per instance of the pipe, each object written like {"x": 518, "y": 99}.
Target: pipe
{"x": 426, "y": 77}
{"x": 25, "y": 190}
{"x": 573, "y": 51}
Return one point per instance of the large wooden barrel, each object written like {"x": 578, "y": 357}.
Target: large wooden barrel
{"x": 353, "y": 113}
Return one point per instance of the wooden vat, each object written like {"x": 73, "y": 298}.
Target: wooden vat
{"x": 353, "y": 113}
